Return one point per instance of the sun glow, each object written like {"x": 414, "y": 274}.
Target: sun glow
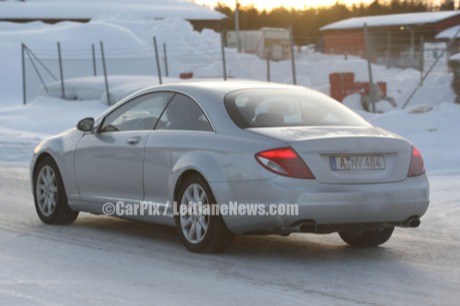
{"x": 270, "y": 4}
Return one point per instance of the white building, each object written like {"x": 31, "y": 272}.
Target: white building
{"x": 272, "y": 43}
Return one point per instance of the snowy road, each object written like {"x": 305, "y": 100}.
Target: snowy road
{"x": 107, "y": 261}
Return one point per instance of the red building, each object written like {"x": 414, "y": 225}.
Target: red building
{"x": 391, "y": 37}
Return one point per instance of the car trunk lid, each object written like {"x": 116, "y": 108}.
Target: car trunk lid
{"x": 347, "y": 155}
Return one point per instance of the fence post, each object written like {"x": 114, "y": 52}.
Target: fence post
{"x": 422, "y": 59}
{"x": 447, "y": 61}
{"x": 94, "y": 60}
{"x": 104, "y": 67}
{"x": 388, "y": 49}
{"x": 166, "y": 60}
{"x": 61, "y": 71}
{"x": 157, "y": 58}
{"x": 412, "y": 45}
{"x": 268, "y": 53}
{"x": 294, "y": 75}
{"x": 369, "y": 67}
{"x": 24, "y": 87}
{"x": 224, "y": 64}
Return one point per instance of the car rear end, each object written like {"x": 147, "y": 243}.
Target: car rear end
{"x": 340, "y": 172}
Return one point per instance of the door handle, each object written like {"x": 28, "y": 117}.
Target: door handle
{"x": 134, "y": 140}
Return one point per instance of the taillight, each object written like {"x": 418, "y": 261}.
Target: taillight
{"x": 417, "y": 167}
{"x": 284, "y": 161}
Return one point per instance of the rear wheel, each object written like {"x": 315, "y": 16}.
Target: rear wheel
{"x": 367, "y": 238}
{"x": 199, "y": 232}
{"x": 49, "y": 194}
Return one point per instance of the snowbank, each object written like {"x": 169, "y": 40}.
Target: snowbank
{"x": 93, "y": 88}
{"x": 86, "y": 9}
{"x": 434, "y": 132}
{"x": 75, "y": 38}
{"x": 128, "y": 44}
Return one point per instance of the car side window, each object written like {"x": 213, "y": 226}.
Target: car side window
{"x": 140, "y": 113}
{"x": 183, "y": 113}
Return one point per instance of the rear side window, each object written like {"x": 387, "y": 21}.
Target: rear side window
{"x": 183, "y": 113}
{"x": 287, "y": 108}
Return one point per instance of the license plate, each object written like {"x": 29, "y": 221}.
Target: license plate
{"x": 357, "y": 162}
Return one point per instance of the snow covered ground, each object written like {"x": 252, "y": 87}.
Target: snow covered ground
{"x": 108, "y": 261}
{"x": 100, "y": 260}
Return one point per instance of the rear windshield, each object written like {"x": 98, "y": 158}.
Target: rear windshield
{"x": 284, "y": 108}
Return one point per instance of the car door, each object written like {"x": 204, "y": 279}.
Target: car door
{"x": 185, "y": 126}
{"x": 109, "y": 163}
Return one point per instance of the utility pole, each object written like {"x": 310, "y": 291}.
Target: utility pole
{"x": 369, "y": 67}
{"x": 237, "y": 26}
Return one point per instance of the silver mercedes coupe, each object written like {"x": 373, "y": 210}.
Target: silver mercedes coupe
{"x": 218, "y": 159}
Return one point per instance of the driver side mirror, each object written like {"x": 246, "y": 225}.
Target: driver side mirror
{"x": 86, "y": 124}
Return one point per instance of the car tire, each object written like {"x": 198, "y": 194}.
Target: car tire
{"x": 367, "y": 238}
{"x": 49, "y": 194}
{"x": 200, "y": 233}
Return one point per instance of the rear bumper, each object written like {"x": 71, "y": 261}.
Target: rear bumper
{"x": 327, "y": 207}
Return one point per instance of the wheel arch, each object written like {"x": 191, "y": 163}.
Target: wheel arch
{"x": 41, "y": 157}
{"x": 61, "y": 213}
{"x": 61, "y": 149}
{"x": 186, "y": 174}
{"x": 37, "y": 160}
{"x": 202, "y": 164}
{"x": 217, "y": 237}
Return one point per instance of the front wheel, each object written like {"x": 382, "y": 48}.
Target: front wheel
{"x": 367, "y": 238}
{"x": 49, "y": 194}
{"x": 200, "y": 231}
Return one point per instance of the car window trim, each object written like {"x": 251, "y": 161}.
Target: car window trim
{"x": 194, "y": 100}
{"x": 136, "y": 97}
